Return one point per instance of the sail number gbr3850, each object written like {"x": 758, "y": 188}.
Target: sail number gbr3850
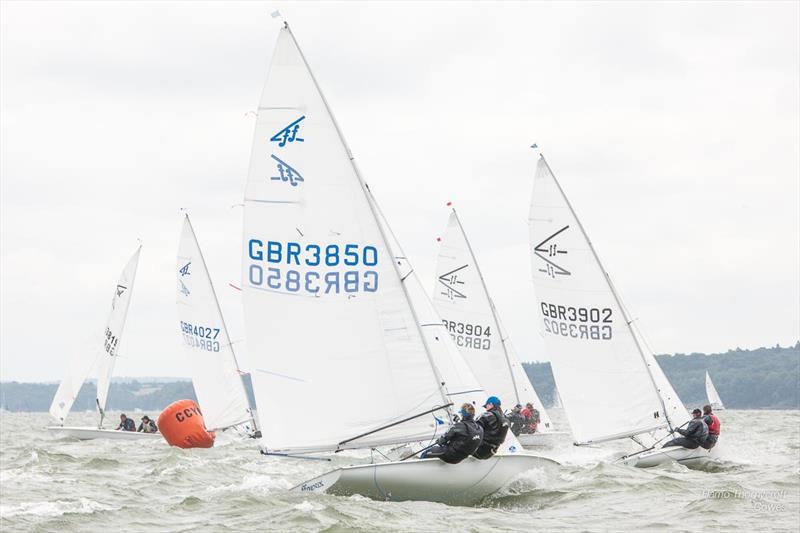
{"x": 590, "y": 323}
{"x": 312, "y": 269}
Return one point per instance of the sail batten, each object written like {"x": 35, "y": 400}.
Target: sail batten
{"x": 608, "y": 384}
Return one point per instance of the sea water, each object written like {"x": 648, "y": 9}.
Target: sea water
{"x": 52, "y": 484}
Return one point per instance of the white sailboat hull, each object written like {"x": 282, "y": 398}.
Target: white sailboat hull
{"x": 551, "y": 438}
{"x": 424, "y": 479}
{"x": 89, "y": 433}
{"x": 692, "y": 458}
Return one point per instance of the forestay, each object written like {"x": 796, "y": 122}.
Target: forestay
{"x": 712, "y": 394}
{"x": 462, "y": 299}
{"x": 328, "y": 324}
{"x": 601, "y": 373}
{"x": 120, "y": 302}
{"x": 215, "y": 372}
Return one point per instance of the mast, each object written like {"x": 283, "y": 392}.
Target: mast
{"x": 222, "y": 319}
{"x": 372, "y": 205}
{"x": 613, "y": 292}
{"x": 491, "y": 306}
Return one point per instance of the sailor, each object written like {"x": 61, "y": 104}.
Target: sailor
{"x": 147, "y": 425}
{"x": 495, "y": 428}
{"x": 532, "y": 418}
{"x": 126, "y": 424}
{"x": 714, "y": 425}
{"x": 460, "y": 441}
{"x": 694, "y": 434}
{"x": 516, "y": 419}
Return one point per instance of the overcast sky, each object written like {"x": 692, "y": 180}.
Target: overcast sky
{"x": 673, "y": 128}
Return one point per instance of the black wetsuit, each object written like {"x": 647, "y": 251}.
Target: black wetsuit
{"x": 517, "y": 422}
{"x": 458, "y": 443}
{"x": 495, "y": 429}
{"x": 694, "y": 435}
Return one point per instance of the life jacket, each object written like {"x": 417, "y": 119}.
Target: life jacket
{"x": 713, "y": 424}
{"x": 462, "y": 440}
{"x": 495, "y": 427}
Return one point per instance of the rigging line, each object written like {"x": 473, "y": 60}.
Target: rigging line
{"x": 387, "y": 426}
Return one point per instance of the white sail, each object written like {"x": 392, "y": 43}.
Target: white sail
{"x": 120, "y": 302}
{"x": 605, "y": 380}
{"x": 330, "y": 330}
{"x": 78, "y": 370}
{"x": 462, "y": 299}
{"x": 713, "y": 395}
{"x": 215, "y": 372}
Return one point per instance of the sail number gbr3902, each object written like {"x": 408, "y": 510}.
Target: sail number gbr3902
{"x": 312, "y": 269}
{"x": 577, "y": 322}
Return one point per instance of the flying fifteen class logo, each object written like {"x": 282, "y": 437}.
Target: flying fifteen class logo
{"x": 184, "y": 270}
{"x": 289, "y": 133}
{"x": 452, "y": 283}
{"x": 287, "y": 173}
{"x": 184, "y": 289}
{"x": 548, "y": 251}
{"x": 117, "y": 293}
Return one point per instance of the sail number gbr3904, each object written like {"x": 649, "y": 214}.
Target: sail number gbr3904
{"x": 312, "y": 269}
{"x": 577, "y": 322}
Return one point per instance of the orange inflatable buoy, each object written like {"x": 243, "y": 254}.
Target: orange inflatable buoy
{"x": 182, "y": 425}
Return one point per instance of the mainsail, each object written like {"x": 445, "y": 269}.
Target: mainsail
{"x": 215, "y": 372}
{"x": 120, "y": 302}
{"x": 712, "y": 394}
{"x": 609, "y": 386}
{"x": 469, "y": 316}
{"x": 328, "y": 322}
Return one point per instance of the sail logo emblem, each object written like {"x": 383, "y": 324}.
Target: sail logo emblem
{"x": 184, "y": 270}
{"x": 452, "y": 284}
{"x": 117, "y": 293}
{"x": 548, "y": 251}
{"x": 287, "y": 173}
{"x": 184, "y": 289}
{"x": 288, "y": 134}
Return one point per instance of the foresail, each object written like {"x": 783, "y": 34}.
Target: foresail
{"x": 215, "y": 372}
{"x": 120, "y": 301}
{"x": 712, "y": 394}
{"x": 462, "y": 300}
{"x": 600, "y": 372}
{"x": 329, "y": 328}
{"x": 78, "y": 370}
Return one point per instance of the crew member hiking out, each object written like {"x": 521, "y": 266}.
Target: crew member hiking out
{"x": 495, "y": 428}
{"x": 147, "y": 425}
{"x": 460, "y": 441}
{"x": 694, "y": 434}
{"x": 714, "y": 426}
{"x": 126, "y": 424}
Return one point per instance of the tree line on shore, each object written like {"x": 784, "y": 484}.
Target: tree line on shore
{"x": 763, "y": 378}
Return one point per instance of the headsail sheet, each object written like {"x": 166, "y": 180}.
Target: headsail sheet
{"x": 215, "y": 372}
{"x": 120, "y": 301}
{"x": 328, "y": 323}
{"x": 462, "y": 299}
{"x": 599, "y": 369}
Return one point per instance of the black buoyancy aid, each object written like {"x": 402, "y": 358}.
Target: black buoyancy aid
{"x": 463, "y": 439}
{"x": 495, "y": 427}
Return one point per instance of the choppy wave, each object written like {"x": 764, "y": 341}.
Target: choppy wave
{"x": 49, "y": 484}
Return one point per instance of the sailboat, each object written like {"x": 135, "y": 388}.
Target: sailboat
{"x": 713, "y": 396}
{"x": 81, "y": 367}
{"x": 330, "y": 324}
{"x": 611, "y": 388}
{"x": 216, "y": 375}
{"x": 470, "y": 317}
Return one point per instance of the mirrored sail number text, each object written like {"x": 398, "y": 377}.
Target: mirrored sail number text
{"x": 312, "y": 269}
{"x": 577, "y": 322}
{"x": 110, "y": 343}
{"x": 200, "y": 337}
{"x": 472, "y": 336}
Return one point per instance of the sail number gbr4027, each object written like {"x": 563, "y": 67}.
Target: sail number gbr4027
{"x": 590, "y": 323}
{"x": 312, "y": 269}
